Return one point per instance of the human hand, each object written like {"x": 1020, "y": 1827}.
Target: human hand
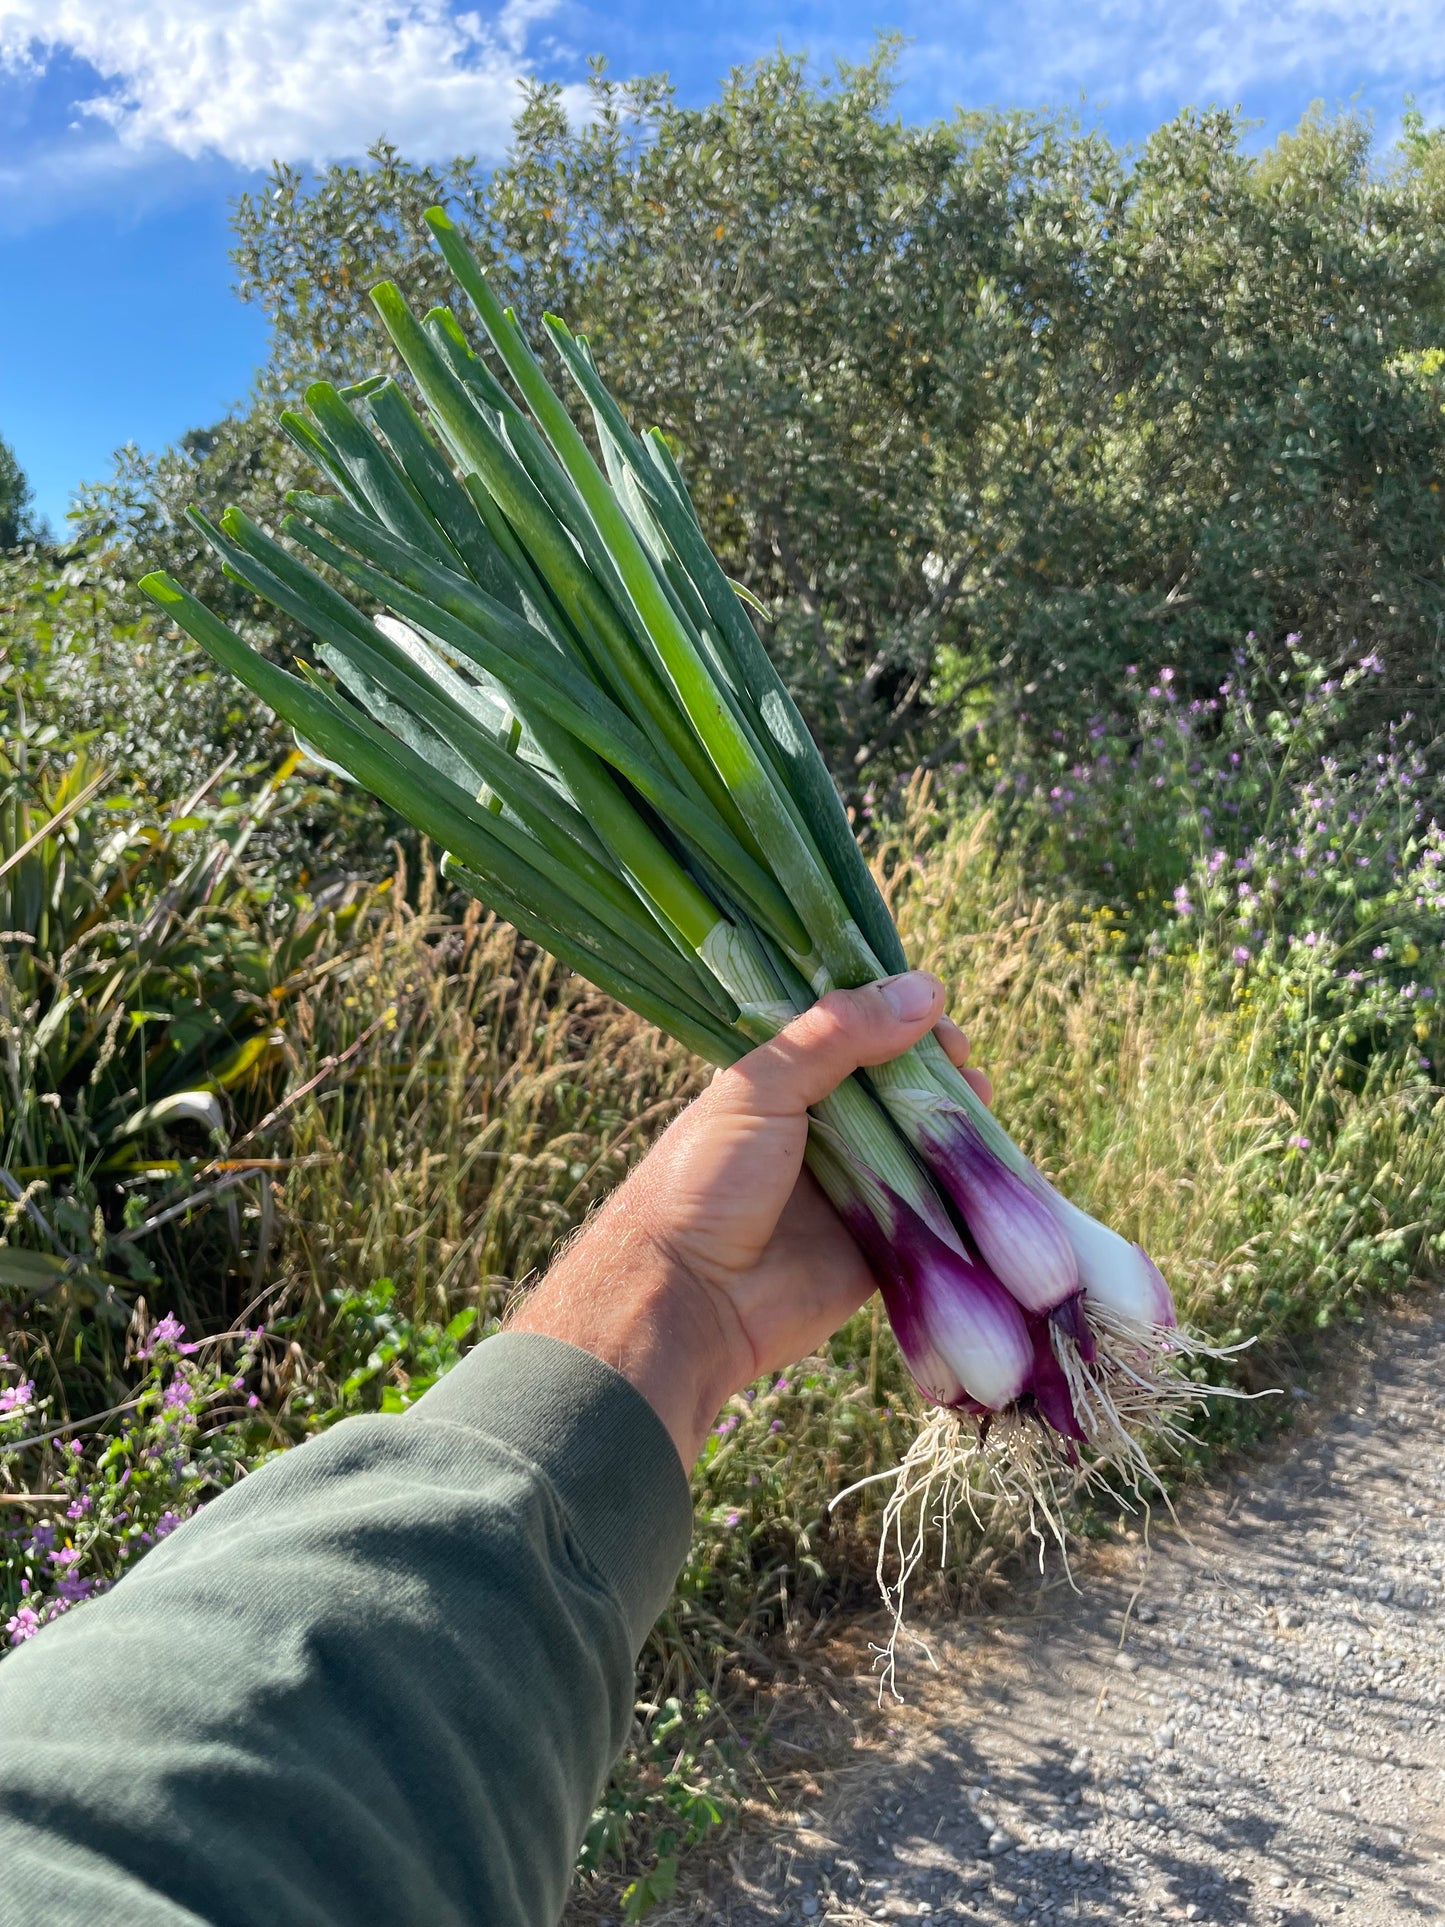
{"x": 719, "y": 1258}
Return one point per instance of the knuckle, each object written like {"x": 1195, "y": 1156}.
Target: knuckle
{"x": 834, "y": 1005}
{"x": 837, "y": 1012}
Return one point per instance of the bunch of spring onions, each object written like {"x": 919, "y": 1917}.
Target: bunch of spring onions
{"x": 541, "y": 665}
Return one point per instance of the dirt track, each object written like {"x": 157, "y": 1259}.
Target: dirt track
{"x": 1263, "y": 1740}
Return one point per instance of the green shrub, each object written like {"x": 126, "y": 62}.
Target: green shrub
{"x": 983, "y": 409}
{"x": 145, "y": 985}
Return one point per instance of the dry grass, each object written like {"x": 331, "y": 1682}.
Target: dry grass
{"x": 488, "y": 1100}
{"x": 484, "y": 1101}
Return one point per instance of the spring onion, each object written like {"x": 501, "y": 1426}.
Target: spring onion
{"x": 535, "y": 657}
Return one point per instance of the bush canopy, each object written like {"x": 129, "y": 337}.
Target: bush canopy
{"x": 982, "y": 409}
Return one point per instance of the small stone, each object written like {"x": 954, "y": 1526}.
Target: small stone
{"x": 1279, "y": 1881}
{"x": 1285, "y": 1619}
{"x": 999, "y": 1841}
{"x": 809, "y": 1908}
{"x": 1164, "y": 1736}
{"x": 1342, "y": 1649}
{"x": 1125, "y": 1663}
{"x": 1146, "y": 1615}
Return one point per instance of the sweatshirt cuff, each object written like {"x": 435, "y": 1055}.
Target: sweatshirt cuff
{"x": 594, "y": 1437}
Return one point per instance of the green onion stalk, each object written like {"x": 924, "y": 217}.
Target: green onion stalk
{"x": 534, "y": 656}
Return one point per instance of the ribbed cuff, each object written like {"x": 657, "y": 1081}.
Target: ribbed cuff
{"x": 605, "y": 1452}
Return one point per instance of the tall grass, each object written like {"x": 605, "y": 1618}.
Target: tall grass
{"x": 1221, "y": 1122}
{"x": 483, "y": 1101}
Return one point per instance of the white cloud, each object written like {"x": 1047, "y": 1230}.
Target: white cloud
{"x": 298, "y": 80}
{"x": 1221, "y": 49}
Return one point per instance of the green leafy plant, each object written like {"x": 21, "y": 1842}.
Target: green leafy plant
{"x": 85, "y": 1503}
{"x": 145, "y": 984}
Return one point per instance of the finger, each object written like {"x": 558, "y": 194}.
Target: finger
{"x": 846, "y": 1028}
{"x": 982, "y": 1084}
{"x": 953, "y": 1040}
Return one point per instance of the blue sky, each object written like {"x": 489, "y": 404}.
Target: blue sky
{"x": 127, "y": 125}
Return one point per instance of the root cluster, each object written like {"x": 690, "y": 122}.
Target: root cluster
{"x": 1132, "y": 1400}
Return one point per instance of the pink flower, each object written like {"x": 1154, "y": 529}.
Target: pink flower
{"x": 166, "y": 1331}
{"x": 22, "y": 1625}
{"x": 179, "y": 1393}
{"x": 15, "y": 1398}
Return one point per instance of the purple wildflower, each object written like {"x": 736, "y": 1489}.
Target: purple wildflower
{"x": 23, "y": 1624}
{"x": 15, "y": 1398}
{"x": 166, "y": 1331}
{"x": 179, "y": 1393}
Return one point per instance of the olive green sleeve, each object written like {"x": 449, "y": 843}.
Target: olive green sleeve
{"x": 382, "y": 1678}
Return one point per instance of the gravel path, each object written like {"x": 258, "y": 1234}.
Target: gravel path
{"x": 1261, "y": 1739}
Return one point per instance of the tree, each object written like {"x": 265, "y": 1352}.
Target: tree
{"x": 983, "y": 409}
{"x": 17, "y": 520}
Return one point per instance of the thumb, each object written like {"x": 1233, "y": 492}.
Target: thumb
{"x": 843, "y": 1030}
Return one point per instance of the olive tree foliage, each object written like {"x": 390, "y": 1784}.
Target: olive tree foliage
{"x": 982, "y": 409}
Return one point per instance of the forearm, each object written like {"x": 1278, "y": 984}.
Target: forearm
{"x": 383, "y": 1678}
{"x": 620, "y": 1294}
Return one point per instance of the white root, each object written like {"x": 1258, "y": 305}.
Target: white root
{"x": 1131, "y": 1397}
